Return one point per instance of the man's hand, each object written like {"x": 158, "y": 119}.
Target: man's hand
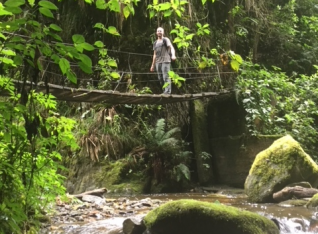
{"x": 152, "y": 68}
{"x": 173, "y": 57}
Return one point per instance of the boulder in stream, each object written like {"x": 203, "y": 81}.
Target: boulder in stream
{"x": 283, "y": 163}
{"x": 187, "y": 216}
{"x": 313, "y": 202}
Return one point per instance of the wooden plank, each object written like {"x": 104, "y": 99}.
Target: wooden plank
{"x": 114, "y": 97}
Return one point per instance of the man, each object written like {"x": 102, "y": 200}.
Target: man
{"x": 162, "y": 60}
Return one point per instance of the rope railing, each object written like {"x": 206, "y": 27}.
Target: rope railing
{"x": 214, "y": 78}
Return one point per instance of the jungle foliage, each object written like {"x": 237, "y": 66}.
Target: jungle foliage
{"x": 76, "y": 43}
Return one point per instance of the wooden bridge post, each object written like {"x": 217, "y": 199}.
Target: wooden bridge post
{"x": 198, "y": 117}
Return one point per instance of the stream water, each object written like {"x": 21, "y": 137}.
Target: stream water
{"x": 291, "y": 219}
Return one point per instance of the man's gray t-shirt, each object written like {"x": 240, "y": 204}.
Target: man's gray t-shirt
{"x": 162, "y": 51}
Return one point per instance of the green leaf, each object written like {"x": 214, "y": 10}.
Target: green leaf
{"x": 77, "y": 39}
{"x": 87, "y": 46}
{"x": 207, "y": 31}
{"x": 32, "y": 53}
{"x": 126, "y": 12}
{"x": 114, "y": 5}
{"x": 235, "y": 65}
{"x": 115, "y": 75}
{"x": 3, "y": 36}
{"x": 151, "y": 14}
{"x": 14, "y": 10}
{"x": 164, "y": 6}
{"x": 55, "y": 27}
{"x": 48, "y": 5}
{"x": 85, "y": 68}
{"x": 55, "y": 58}
{"x": 7, "y": 61}
{"x": 47, "y": 51}
{"x": 85, "y": 59}
{"x": 99, "y": 44}
{"x": 46, "y": 12}
{"x": 72, "y": 52}
{"x": 112, "y": 63}
{"x": 167, "y": 13}
{"x": 17, "y": 39}
{"x": 131, "y": 9}
{"x": 4, "y": 12}
{"x": 31, "y": 2}
{"x": 79, "y": 47}
{"x": 99, "y": 25}
{"x": 112, "y": 30}
{"x": 55, "y": 36}
{"x": 189, "y": 37}
{"x": 71, "y": 76}
{"x": 101, "y": 4}
{"x": 8, "y": 52}
{"x": 203, "y": 2}
{"x": 202, "y": 65}
{"x": 238, "y": 58}
{"x": 64, "y": 65}
{"x": 178, "y": 13}
{"x": 183, "y": 2}
{"x": 14, "y": 3}
{"x": 34, "y": 23}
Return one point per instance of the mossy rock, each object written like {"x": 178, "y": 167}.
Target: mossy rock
{"x": 190, "y": 216}
{"x": 313, "y": 202}
{"x": 283, "y": 163}
{"x": 293, "y": 202}
{"x": 115, "y": 176}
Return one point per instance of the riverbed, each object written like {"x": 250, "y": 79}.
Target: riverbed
{"x": 108, "y": 217}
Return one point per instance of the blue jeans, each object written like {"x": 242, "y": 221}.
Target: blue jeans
{"x": 162, "y": 70}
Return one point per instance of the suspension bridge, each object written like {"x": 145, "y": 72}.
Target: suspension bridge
{"x": 64, "y": 93}
{"x": 219, "y": 88}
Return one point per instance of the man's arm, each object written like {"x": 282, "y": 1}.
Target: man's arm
{"x": 173, "y": 52}
{"x": 152, "y": 68}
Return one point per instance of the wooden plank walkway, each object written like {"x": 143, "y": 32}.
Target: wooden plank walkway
{"x": 114, "y": 97}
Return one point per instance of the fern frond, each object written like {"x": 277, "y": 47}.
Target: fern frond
{"x": 170, "y": 133}
{"x": 183, "y": 155}
{"x": 183, "y": 170}
{"x": 160, "y": 129}
{"x": 237, "y": 94}
{"x": 170, "y": 141}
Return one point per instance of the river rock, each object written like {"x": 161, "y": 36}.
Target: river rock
{"x": 283, "y": 163}
{"x": 187, "y": 216}
{"x": 133, "y": 226}
{"x": 313, "y": 202}
{"x": 94, "y": 199}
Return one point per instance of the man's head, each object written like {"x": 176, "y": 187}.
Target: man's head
{"x": 160, "y": 32}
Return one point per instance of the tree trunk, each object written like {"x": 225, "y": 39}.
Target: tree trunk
{"x": 201, "y": 141}
{"x": 96, "y": 192}
{"x": 294, "y": 192}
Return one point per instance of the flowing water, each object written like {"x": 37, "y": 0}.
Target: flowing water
{"x": 294, "y": 220}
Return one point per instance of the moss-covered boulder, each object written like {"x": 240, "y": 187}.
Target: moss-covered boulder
{"x": 189, "y": 216}
{"x": 283, "y": 163}
{"x": 313, "y": 202}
